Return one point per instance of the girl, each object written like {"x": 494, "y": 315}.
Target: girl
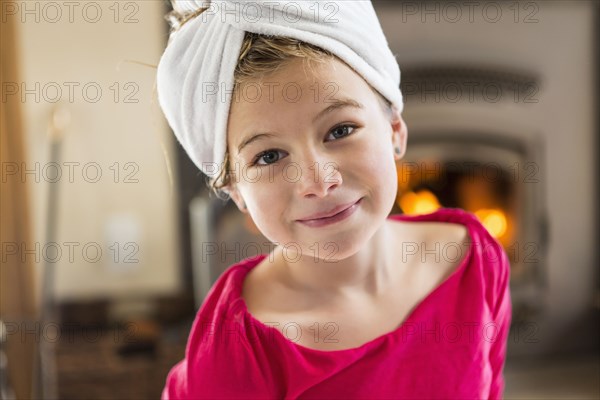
{"x": 352, "y": 302}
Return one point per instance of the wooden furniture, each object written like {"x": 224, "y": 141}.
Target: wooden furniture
{"x": 117, "y": 362}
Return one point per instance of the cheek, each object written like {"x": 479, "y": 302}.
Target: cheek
{"x": 270, "y": 225}
{"x": 268, "y": 206}
{"x": 374, "y": 166}
{"x": 375, "y": 161}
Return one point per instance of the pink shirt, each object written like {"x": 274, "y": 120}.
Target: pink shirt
{"x": 451, "y": 345}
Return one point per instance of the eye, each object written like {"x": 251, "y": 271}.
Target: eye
{"x": 338, "y": 129}
{"x": 269, "y": 156}
{"x": 266, "y": 156}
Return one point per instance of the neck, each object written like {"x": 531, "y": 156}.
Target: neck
{"x": 366, "y": 272}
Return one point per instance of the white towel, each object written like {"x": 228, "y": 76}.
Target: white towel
{"x": 195, "y": 73}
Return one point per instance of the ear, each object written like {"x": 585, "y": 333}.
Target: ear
{"x": 399, "y": 133}
{"x": 237, "y": 198}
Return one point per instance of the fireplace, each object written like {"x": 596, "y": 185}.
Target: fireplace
{"x": 491, "y": 177}
{"x": 501, "y": 109}
{"x": 472, "y": 159}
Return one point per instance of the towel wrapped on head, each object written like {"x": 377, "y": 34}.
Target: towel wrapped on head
{"x": 195, "y": 78}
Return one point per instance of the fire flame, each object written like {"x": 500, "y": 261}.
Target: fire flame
{"x": 421, "y": 202}
{"x": 494, "y": 221}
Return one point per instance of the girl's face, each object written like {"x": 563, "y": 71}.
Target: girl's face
{"x": 324, "y": 141}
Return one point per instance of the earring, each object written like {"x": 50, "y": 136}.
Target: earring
{"x": 397, "y": 150}
{"x": 244, "y": 206}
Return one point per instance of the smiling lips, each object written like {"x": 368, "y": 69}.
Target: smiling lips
{"x": 337, "y": 214}
{"x": 328, "y": 213}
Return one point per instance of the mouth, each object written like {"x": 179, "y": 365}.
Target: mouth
{"x": 337, "y": 211}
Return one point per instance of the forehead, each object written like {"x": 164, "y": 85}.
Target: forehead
{"x": 294, "y": 90}
{"x": 297, "y": 81}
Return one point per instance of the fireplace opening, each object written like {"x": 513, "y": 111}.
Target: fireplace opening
{"x": 490, "y": 175}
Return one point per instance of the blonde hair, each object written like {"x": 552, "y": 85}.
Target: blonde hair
{"x": 260, "y": 55}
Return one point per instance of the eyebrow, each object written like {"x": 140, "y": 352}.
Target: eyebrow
{"x": 336, "y": 104}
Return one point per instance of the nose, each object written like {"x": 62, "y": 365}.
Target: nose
{"x": 318, "y": 177}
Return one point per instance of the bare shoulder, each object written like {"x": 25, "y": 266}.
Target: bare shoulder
{"x": 447, "y": 232}
{"x": 430, "y": 232}
{"x": 430, "y": 250}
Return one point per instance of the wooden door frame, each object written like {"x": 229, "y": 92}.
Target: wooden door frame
{"x": 17, "y": 299}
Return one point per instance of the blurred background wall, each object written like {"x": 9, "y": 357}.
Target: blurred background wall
{"x": 114, "y": 183}
{"x": 76, "y": 72}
